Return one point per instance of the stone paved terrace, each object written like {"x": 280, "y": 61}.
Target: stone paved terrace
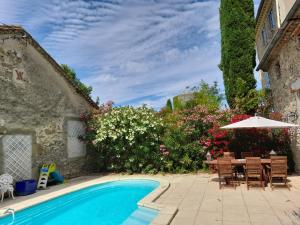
{"x": 200, "y": 202}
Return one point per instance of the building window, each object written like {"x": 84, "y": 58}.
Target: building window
{"x": 271, "y": 19}
{"x": 264, "y": 37}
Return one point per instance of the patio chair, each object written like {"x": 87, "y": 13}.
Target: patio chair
{"x": 229, "y": 155}
{"x": 6, "y": 185}
{"x": 246, "y": 154}
{"x": 254, "y": 172}
{"x": 278, "y": 170}
{"x": 225, "y": 171}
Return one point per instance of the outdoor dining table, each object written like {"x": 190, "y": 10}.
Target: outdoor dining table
{"x": 238, "y": 162}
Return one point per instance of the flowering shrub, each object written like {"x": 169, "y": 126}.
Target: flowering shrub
{"x": 239, "y": 117}
{"x": 217, "y": 141}
{"x": 128, "y": 138}
{"x": 189, "y": 138}
{"x": 141, "y": 140}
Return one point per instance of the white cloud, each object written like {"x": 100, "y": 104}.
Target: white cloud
{"x": 102, "y": 78}
{"x": 134, "y": 67}
{"x": 132, "y": 51}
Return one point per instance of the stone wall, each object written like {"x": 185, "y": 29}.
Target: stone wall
{"x": 284, "y": 71}
{"x": 35, "y": 99}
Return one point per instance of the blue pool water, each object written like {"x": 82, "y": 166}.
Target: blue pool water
{"x": 112, "y": 203}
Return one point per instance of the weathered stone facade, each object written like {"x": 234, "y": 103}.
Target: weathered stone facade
{"x": 283, "y": 72}
{"x": 280, "y": 62}
{"x": 37, "y": 100}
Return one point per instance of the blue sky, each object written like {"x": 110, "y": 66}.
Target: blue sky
{"x": 130, "y": 51}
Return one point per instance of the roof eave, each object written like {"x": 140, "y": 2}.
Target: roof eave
{"x": 278, "y": 36}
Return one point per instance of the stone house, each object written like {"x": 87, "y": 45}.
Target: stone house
{"x": 278, "y": 50}
{"x": 40, "y": 110}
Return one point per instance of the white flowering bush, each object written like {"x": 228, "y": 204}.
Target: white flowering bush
{"x": 129, "y": 138}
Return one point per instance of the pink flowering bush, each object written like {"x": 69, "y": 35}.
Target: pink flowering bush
{"x": 190, "y": 134}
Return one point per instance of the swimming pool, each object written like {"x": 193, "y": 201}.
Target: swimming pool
{"x": 111, "y": 203}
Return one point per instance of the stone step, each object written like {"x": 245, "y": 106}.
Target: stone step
{"x": 141, "y": 216}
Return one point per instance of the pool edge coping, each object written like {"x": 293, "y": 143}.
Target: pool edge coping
{"x": 166, "y": 213}
{"x": 165, "y": 216}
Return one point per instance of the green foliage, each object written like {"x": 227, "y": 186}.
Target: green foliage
{"x": 129, "y": 139}
{"x": 256, "y": 101}
{"x": 169, "y": 106}
{"x": 238, "y": 51}
{"x": 204, "y": 95}
{"x": 178, "y": 105}
{"x": 183, "y": 134}
{"x": 71, "y": 74}
{"x": 139, "y": 140}
{"x": 265, "y": 106}
{"x": 249, "y": 103}
{"x": 183, "y": 155}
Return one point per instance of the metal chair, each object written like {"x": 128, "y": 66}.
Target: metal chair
{"x": 254, "y": 172}
{"x": 225, "y": 171}
{"x": 6, "y": 185}
{"x": 278, "y": 169}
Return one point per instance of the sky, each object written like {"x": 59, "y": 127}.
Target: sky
{"x": 132, "y": 52}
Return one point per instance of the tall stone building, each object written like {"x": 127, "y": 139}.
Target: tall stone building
{"x": 278, "y": 49}
{"x": 40, "y": 110}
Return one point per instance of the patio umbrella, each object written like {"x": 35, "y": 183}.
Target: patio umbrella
{"x": 258, "y": 122}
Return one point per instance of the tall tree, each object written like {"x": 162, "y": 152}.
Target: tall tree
{"x": 207, "y": 95}
{"x": 238, "y": 49}
{"x": 202, "y": 94}
{"x": 169, "y": 105}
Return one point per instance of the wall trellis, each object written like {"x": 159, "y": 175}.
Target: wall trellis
{"x": 76, "y": 148}
{"x": 17, "y": 156}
